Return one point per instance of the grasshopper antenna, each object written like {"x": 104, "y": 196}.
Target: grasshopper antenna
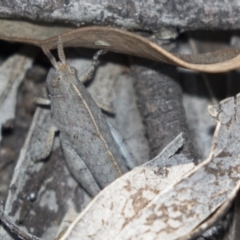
{"x": 51, "y": 58}
{"x": 61, "y": 54}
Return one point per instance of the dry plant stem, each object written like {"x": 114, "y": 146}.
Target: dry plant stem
{"x": 160, "y": 103}
{"x": 15, "y": 229}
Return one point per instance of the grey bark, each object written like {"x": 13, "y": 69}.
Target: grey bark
{"x": 160, "y": 103}
{"x": 161, "y": 16}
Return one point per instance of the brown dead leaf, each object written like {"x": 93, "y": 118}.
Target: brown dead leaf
{"x": 121, "y": 41}
{"x": 29, "y": 32}
{"x": 116, "y": 40}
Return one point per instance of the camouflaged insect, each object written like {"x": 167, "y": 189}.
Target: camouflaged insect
{"x": 90, "y": 151}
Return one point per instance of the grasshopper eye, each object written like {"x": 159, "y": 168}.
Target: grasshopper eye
{"x": 73, "y": 71}
{"x": 55, "y": 81}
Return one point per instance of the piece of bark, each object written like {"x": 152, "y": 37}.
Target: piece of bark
{"x": 14, "y": 138}
{"x": 160, "y": 102}
{"x": 163, "y": 17}
{"x": 12, "y": 73}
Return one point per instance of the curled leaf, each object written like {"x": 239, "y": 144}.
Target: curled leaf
{"x": 29, "y": 32}
{"x": 117, "y": 40}
{"x": 125, "y": 42}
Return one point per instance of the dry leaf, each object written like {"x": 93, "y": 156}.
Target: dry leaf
{"x": 125, "y": 42}
{"x": 30, "y": 32}
{"x": 116, "y": 205}
{"x": 179, "y": 210}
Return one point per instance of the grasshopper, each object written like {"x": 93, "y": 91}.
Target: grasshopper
{"x": 90, "y": 151}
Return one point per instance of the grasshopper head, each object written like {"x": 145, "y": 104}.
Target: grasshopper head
{"x": 60, "y": 75}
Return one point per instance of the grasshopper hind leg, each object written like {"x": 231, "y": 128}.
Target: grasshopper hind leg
{"x": 79, "y": 170}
